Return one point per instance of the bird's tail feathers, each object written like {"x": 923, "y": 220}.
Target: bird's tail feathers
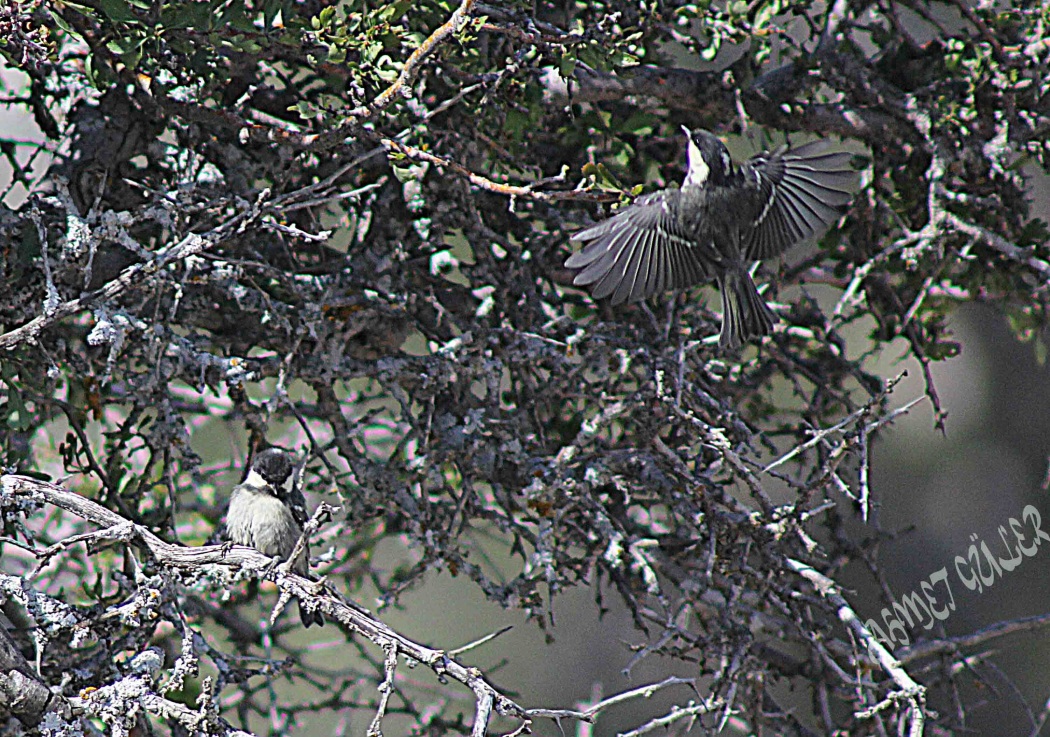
{"x": 745, "y": 315}
{"x": 310, "y": 616}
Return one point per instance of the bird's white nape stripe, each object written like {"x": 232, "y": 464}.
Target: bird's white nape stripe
{"x": 698, "y": 168}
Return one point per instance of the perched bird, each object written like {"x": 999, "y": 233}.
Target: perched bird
{"x": 267, "y": 512}
{"x": 720, "y": 220}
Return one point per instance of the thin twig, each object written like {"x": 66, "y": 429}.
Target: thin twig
{"x": 385, "y": 689}
{"x": 910, "y": 691}
{"x": 457, "y": 20}
{"x": 937, "y": 647}
{"x": 691, "y": 710}
{"x": 481, "y": 641}
{"x": 819, "y": 435}
{"x": 134, "y": 275}
{"x": 509, "y": 190}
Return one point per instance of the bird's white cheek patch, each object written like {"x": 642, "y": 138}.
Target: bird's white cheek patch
{"x": 255, "y": 480}
{"x": 698, "y": 168}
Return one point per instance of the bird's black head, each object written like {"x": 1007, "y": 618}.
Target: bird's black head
{"x": 709, "y": 160}
{"x": 274, "y": 466}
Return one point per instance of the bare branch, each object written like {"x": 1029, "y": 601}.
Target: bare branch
{"x": 910, "y": 691}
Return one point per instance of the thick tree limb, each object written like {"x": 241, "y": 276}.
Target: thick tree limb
{"x": 184, "y": 558}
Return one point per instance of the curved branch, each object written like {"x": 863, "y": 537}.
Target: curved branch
{"x": 910, "y": 691}
{"x": 408, "y": 72}
{"x": 182, "y": 558}
{"x": 134, "y": 275}
{"x": 504, "y": 189}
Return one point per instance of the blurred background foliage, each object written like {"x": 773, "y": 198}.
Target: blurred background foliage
{"x": 340, "y": 227}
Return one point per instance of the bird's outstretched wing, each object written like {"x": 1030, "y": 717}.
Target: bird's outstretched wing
{"x": 803, "y": 191}
{"x": 639, "y": 252}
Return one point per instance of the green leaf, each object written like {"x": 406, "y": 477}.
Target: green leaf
{"x": 403, "y": 173}
{"x": 118, "y": 11}
{"x": 307, "y": 110}
{"x": 567, "y": 65}
{"x": 100, "y": 77}
{"x": 270, "y": 11}
{"x": 640, "y": 123}
{"x": 765, "y": 14}
{"x": 60, "y": 22}
{"x": 18, "y": 415}
{"x": 711, "y": 51}
{"x": 187, "y": 15}
{"x": 336, "y": 54}
{"x": 943, "y": 351}
{"x": 126, "y": 44}
{"x": 394, "y": 11}
{"x": 1040, "y": 350}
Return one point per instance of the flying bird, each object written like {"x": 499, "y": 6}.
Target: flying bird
{"x": 721, "y": 219}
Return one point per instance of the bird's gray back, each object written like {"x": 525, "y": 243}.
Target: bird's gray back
{"x": 710, "y": 213}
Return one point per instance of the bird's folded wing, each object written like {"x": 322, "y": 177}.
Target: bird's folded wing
{"x": 803, "y": 189}
{"x": 297, "y": 504}
{"x": 640, "y": 251}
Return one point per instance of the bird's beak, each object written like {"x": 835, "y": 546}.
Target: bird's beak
{"x": 688, "y": 133}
